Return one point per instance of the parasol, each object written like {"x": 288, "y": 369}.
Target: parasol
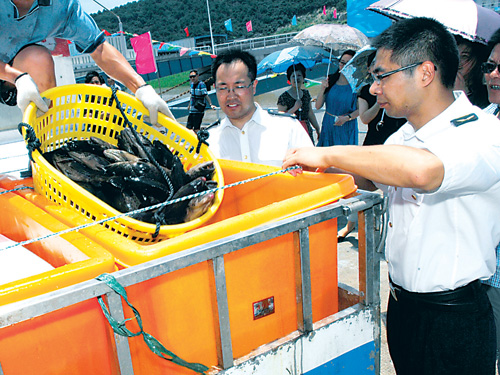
{"x": 356, "y": 71}
{"x": 332, "y": 36}
{"x": 461, "y": 17}
{"x": 279, "y": 61}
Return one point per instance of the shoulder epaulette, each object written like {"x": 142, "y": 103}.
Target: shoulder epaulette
{"x": 464, "y": 119}
{"x": 274, "y": 112}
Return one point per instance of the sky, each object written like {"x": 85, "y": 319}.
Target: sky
{"x": 91, "y": 6}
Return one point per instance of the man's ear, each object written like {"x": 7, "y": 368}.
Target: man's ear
{"x": 255, "y": 86}
{"x": 428, "y": 72}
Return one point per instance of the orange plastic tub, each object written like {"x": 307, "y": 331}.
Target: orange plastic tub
{"x": 76, "y": 339}
{"x": 179, "y": 308}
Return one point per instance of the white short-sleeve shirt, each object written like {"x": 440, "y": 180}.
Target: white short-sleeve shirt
{"x": 264, "y": 139}
{"x": 446, "y": 239}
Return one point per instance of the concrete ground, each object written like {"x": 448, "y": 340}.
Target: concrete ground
{"x": 348, "y": 274}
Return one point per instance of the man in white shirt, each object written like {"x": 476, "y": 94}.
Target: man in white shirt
{"x": 442, "y": 174}
{"x": 248, "y": 133}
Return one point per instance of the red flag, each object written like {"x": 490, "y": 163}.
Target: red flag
{"x": 144, "y": 56}
{"x": 249, "y": 26}
{"x": 324, "y": 10}
{"x": 334, "y": 13}
{"x": 106, "y": 32}
{"x": 187, "y": 31}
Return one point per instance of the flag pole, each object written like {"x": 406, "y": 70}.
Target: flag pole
{"x": 210, "y": 25}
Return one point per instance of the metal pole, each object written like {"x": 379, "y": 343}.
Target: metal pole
{"x": 120, "y": 28}
{"x": 210, "y": 25}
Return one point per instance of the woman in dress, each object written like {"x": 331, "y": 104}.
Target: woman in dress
{"x": 297, "y": 100}
{"x": 339, "y": 122}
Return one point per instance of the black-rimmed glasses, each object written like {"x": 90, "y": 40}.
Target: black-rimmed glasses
{"x": 239, "y": 89}
{"x": 489, "y": 67}
{"x": 194, "y": 76}
{"x": 377, "y": 78}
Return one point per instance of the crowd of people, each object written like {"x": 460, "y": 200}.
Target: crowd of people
{"x": 433, "y": 146}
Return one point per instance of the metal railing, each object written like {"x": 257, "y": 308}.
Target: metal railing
{"x": 368, "y": 203}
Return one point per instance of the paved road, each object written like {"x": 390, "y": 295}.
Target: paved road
{"x": 348, "y": 274}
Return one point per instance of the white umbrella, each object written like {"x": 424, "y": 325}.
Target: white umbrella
{"x": 333, "y": 36}
{"x": 461, "y": 17}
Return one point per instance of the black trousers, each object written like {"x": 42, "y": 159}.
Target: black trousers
{"x": 194, "y": 120}
{"x": 431, "y": 339}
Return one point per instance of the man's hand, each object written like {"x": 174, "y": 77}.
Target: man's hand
{"x": 27, "y": 91}
{"x": 152, "y": 101}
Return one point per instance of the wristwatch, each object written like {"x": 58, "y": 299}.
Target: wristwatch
{"x": 349, "y": 115}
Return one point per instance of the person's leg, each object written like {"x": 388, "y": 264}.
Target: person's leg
{"x": 494, "y": 297}
{"x": 37, "y": 61}
{"x": 443, "y": 340}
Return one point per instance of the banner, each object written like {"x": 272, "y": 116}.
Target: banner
{"x": 186, "y": 31}
{"x": 249, "y": 26}
{"x": 324, "y": 10}
{"x": 144, "y": 56}
{"x": 294, "y": 20}
{"x": 335, "y": 13}
{"x": 228, "y": 24}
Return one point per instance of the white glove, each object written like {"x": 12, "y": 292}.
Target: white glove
{"x": 27, "y": 91}
{"x": 152, "y": 101}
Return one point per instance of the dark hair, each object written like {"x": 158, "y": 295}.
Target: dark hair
{"x": 293, "y": 68}
{"x": 477, "y": 53}
{"x": 333, "y": 78}
{"x": 92, "y": 74}
{"x": 422, "y": 39}
{"x": 232, "y": 55}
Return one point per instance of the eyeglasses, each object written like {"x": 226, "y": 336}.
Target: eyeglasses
{"x": 377, "y": 78}
{"x": 193, "y": 76}
{"x": 238, "y": 90}
{"x": 489, "y": 67}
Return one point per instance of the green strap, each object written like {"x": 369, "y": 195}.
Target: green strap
{"x": 119, "y": 327}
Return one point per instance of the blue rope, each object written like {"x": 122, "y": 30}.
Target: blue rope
{"x": 27, "y": 242}
{"x": 16, "y": 189}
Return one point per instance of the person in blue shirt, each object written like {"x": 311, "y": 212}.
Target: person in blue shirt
{"x": 198, "y": 102}
{"x": 26, "y": 68}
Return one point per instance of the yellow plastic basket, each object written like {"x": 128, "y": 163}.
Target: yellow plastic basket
{"x": 82, "y": 111}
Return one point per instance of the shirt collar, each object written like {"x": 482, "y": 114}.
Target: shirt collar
{"x": 34, "y": 7}
{"x": 256, "y": 119}
{"x": 460, "y": 107}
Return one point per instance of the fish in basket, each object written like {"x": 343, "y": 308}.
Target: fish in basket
{"x": 100, "y": 156}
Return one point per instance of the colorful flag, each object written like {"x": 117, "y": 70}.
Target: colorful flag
{"x": 106, "y": 32}
{"x": 324, "y": 10}
{"x": 183, "y": 51}
{"x": 144, "y": 56}
{"x": 249, "y": 26}
{"x": 229, "y": 25}
{"x": 187, "y": 31}
{"x": 294, "y": 21}
{"x": 335, "y": 13}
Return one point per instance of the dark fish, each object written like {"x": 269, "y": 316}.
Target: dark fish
{"x": 92, "y": 145}
{"x": 90, "y": 160}
{"x": 120, "y": 155}
{"x": 75, "y": 170}
{"x": 162, "y": 154}
{"x": 176, "y": 213}
{"x": 128, "y": 142}
{"x": 206, "y": 169}
{"x": 199, "y": 206}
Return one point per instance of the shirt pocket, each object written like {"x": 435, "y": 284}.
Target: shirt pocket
{"x": 411, "y": 196}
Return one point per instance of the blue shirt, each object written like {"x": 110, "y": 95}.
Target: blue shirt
{"x": 198, "y": 94}
{"x": 47, "y": 18}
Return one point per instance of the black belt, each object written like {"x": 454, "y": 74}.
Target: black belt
{"x": 458, "y": 296}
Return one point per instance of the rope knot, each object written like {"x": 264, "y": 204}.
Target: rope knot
{"x": 32, "y": 142}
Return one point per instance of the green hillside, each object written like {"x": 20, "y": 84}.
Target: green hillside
{"x": 166, "y": 19}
